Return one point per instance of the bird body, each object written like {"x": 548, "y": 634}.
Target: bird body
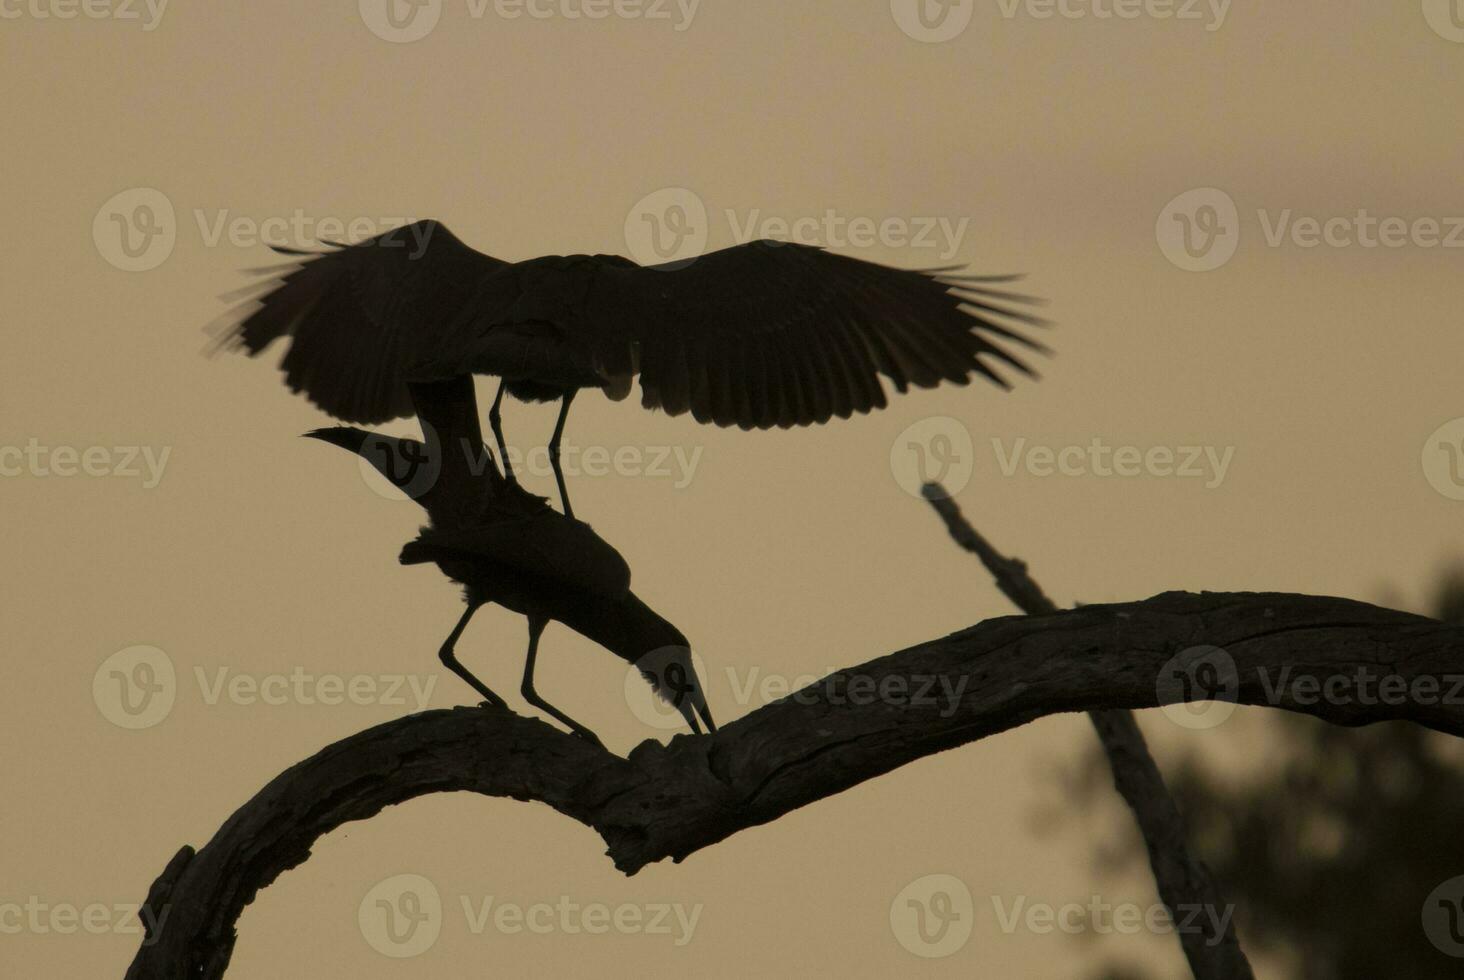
{"x": 507, "y": 546}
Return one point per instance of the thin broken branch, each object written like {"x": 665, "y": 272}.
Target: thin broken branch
{"x": 1183, "y": 882}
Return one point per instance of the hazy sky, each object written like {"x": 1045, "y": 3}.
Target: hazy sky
{"x": 150, "y": 151}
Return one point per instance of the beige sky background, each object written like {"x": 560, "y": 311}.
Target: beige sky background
{"x": 1059, "y": 142}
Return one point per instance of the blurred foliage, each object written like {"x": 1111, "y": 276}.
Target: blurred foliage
{"x": 1328, "y": 844}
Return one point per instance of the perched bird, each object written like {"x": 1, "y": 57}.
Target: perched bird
{"x": 505, "y": 545}
{"x": 759, "y": 335}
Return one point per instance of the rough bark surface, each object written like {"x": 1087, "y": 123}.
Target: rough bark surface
{"x": 670, "y": 801}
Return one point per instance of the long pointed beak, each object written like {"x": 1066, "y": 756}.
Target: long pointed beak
{"x": 694, "y": 706}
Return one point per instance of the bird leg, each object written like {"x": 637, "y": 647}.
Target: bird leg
{"x": 536, "y": 628}
{"x": 495, "y": 419}
{"x": 452, "y": 663}
{"x": 554, "y": 453}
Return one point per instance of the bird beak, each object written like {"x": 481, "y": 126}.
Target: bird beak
{"x": 694, "y": 705}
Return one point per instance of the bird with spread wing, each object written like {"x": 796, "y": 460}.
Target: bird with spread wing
{"x": 759, "y": 335}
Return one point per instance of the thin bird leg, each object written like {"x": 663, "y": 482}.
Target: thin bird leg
{"x": 495, "y": 419}
{"x": 536, "y": 628}
{"x": 554, "y": 453}
{"x": 452, "y": 663}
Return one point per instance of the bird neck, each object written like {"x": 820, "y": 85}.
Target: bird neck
{"x": 467, "y": 472}
{"x": 626, "y": 626}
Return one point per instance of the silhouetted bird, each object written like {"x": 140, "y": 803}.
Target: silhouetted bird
{"x": 511, "y": 548}
{"x": 758, "y": 335}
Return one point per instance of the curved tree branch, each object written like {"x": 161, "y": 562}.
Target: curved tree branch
{"x": 856, "y": 724}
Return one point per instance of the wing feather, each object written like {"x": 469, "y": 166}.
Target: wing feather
{"x": 781, "y": 334}
{"x": 358, "y": 317}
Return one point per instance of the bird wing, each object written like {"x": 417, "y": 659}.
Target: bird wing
{"x": 779, "y": 334}
{"x": 360, "y": 315}
{"x": 548, "y": 546}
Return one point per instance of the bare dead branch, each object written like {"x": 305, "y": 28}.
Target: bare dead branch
{"x": 856, "y": 724}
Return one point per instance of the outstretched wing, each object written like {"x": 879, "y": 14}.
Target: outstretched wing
{"x": 359, "y": 316}
{"x": 780, "y": 334}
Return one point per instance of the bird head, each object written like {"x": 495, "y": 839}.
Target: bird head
{"x": 405, "y": 463}
{"x": 672, "y": 675}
